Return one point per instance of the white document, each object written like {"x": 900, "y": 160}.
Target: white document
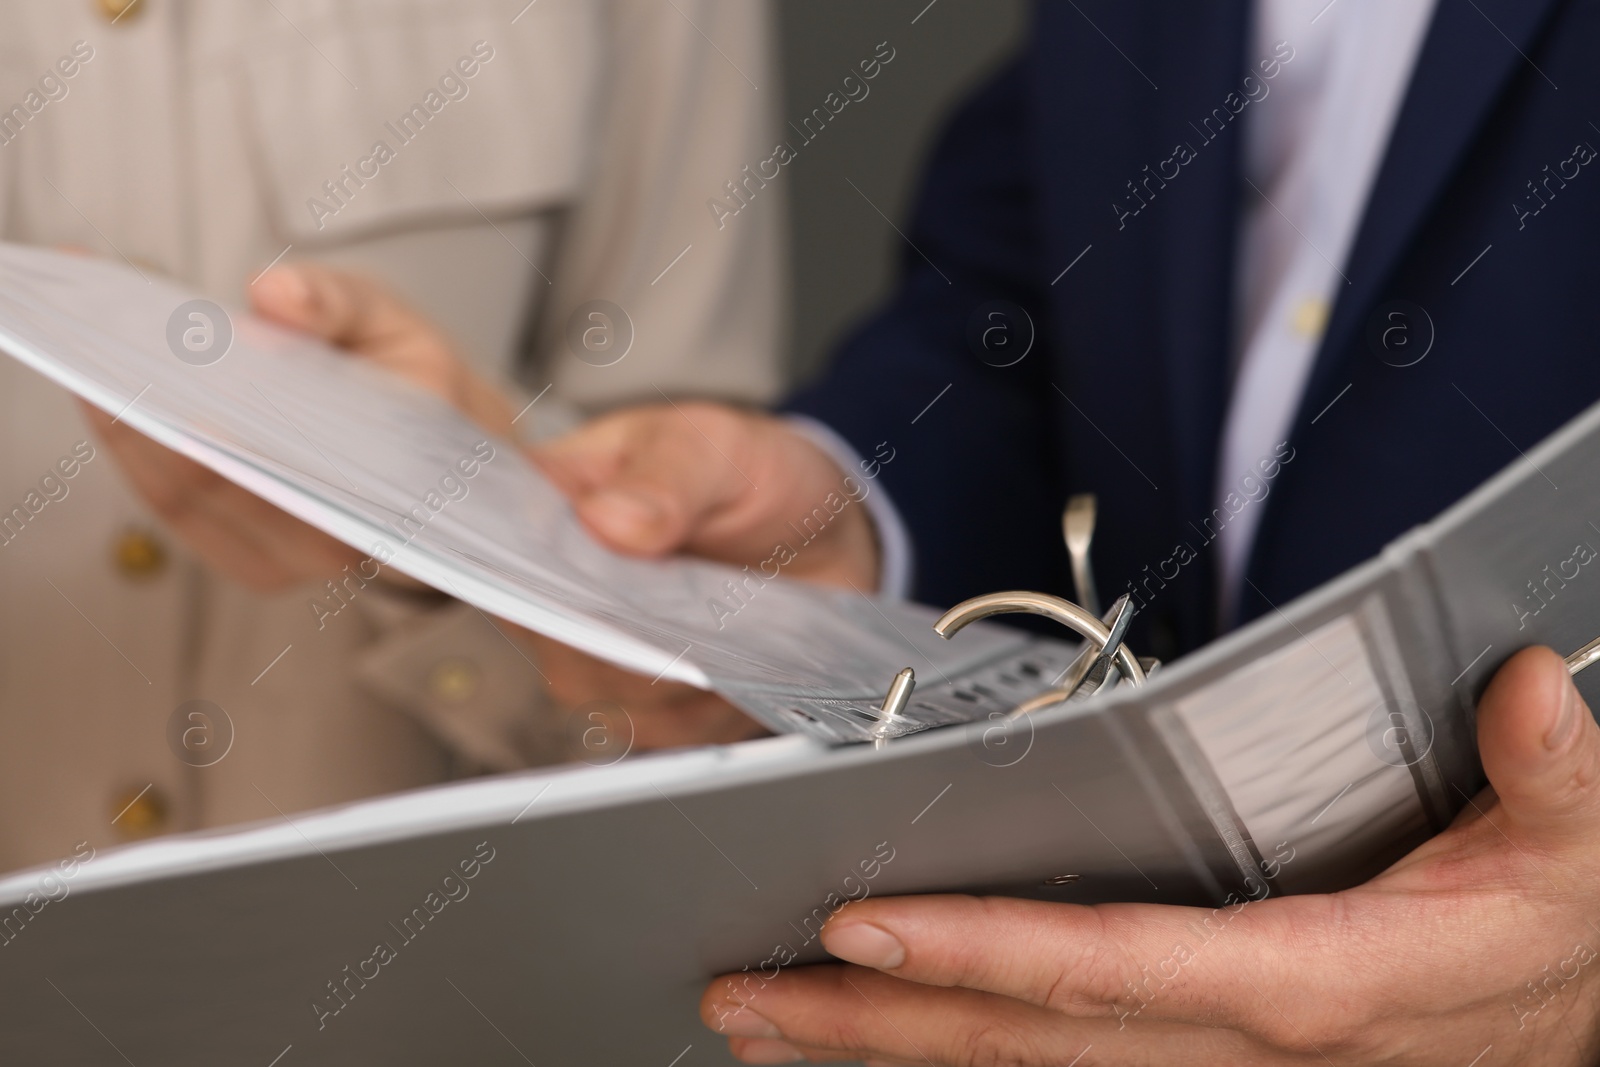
{"x": 401, "y": 477}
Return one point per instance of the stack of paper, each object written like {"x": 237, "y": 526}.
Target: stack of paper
{"x": 404, "y": 479}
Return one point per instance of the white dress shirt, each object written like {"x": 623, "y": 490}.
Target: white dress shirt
{"x": 1311, "y": 153}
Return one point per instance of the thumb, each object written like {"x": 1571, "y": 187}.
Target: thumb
{"x": 360, "y": 316}
{"x": 714, "y": 481}
{"x": 1541, "y": 748}
{"x": 646, "y": 480}
{"x": 285, "y": 295}
{"x": 341, "y": 308}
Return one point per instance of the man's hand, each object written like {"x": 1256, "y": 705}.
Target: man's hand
{"x": 235, "y": 531}
{"x": 1479, "y": 948}
{"x": 709, "y": 480}
{"x": 706, "y": 480}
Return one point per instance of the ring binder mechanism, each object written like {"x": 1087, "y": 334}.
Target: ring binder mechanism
{"x": 1104, "y": 660}
{"x": 1584, "y": 657}
{"x": 894, "y": 704}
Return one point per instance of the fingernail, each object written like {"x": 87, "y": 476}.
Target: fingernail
{"x": 744, "y": 1021}
{"x": 770, "y": 1052}
{"x": 624, "y": 515}
{"x": 1567, "y": 718}
{"x": 865, "y": 944}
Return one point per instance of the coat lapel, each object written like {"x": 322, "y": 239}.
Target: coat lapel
{"x": 1471, "y": 52}
{"x": 1147, "y": 315}
{"x": 1203, "y": 59}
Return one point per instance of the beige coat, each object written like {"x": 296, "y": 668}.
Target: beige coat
{"x": 536, "y": 159}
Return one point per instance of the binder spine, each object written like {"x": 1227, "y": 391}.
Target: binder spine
{"x": 1212, "y": 798}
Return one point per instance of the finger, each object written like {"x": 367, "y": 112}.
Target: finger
{"x": 647, "y": 481}
{"x": 765, "y": 1050}
{"x": 231, "y": 529}
{"x": 832, "y": 1013}
{"x": 1051, "y": 955}
{"x": 341, "y": 308}
{"x": 353, "y": 313}
{"x": 584, "y": 459}
{"x": 1541, "y": 749}
{"x": 358, "y": 315}
{"x": 719, "y": 483}
{"x": 1107, "y": 961}
{"x": 772, "y": 1050}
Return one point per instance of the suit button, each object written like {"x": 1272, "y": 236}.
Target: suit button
{"x": 453, "y": 680}
{"x": 113, "y": 10}
{"x": 139, "y": 554}
{"x": 139, "y": 812}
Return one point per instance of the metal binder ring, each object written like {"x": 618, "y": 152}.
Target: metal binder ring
{"x": 1584, "y": 657}
{"x": 1065, "y": 612}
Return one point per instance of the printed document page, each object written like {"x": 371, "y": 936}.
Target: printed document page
{"x": 411, "y": 484}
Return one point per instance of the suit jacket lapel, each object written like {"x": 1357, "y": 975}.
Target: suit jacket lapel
{"x": 1148, "y": 314}
{"x": 1472, "y": 50}
{"x": 1203, "y": 59}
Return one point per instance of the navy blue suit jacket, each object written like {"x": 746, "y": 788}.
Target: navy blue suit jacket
{"x": 1485, "y": 216}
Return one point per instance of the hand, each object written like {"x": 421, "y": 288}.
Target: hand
{"x": 711, "y": 481}
{"x": 656, "y": 714}
{"x": 235, "y": 531}
{"x": 1477, "y": 948}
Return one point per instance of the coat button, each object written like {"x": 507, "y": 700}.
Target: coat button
{"x": 112, "y": 10}
{"x": 139, "y": 554}
{"x": 139, "y": 812}
{"x": 453, "y": 680}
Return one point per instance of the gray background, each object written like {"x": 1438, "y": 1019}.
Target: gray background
{"x": 844, "y": 253}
